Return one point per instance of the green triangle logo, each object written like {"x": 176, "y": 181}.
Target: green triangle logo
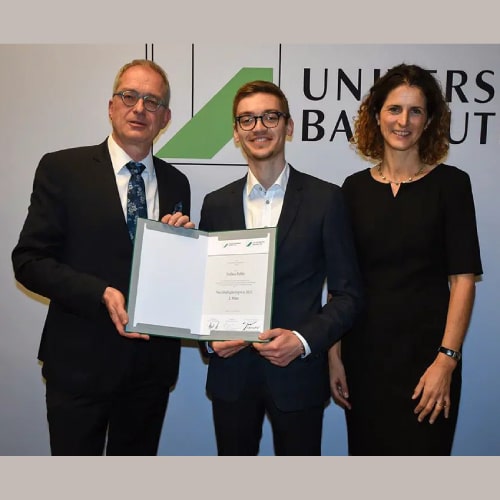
{"x": 212, "y": 127}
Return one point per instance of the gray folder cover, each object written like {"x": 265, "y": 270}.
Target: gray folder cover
{"x": 198, "y": 285}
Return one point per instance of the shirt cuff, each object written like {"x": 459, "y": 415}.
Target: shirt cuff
{"x": 307, "y": 349}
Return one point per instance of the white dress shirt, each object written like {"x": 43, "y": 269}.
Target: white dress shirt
{"x": 119, "y": 159}
{"x": 263, "y": 208}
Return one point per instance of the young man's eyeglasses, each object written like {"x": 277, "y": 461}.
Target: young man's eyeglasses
{"x": 130, "y": 98}
{"x": 269, "y": 120}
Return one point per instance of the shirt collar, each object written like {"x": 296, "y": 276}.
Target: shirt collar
{"x": 280, "y": 182}
{"x": 119, "y": 158}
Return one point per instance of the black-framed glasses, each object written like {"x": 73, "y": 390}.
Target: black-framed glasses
{"x": 130, "y": 98}
{"x": 269, "y": 120}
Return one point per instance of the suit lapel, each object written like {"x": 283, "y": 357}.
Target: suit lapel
{"x": 104, "y": 182}
{"x": 236, "y": 213}
{"x": 169, "y": 197}
{"x": 165, "y": 191}
{"x": 291, "y": 204}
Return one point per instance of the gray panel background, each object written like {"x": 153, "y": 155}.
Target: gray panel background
{"x": 50, "y": 100}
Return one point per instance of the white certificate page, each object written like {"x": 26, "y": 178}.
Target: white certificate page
{"x": 235, "y": 285}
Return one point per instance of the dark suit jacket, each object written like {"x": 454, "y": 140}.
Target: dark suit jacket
{"x": 75, "y": 243}
{"x": 314, "y": 243}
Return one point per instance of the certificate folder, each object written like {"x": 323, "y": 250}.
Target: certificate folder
{"x": 201, "y": 285}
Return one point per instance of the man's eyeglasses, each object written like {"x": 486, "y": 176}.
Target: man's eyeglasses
{"x": 269, "y": 120}
{"x": 130, "y": 98}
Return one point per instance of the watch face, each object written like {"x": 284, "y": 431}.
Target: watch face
{"x": 451, "y": 353}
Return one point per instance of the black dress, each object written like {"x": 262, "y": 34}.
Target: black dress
{"x": 407, "y": 245}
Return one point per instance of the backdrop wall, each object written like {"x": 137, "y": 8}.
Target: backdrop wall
{"x": 55, "y": 96}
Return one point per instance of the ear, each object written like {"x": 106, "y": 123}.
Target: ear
{"x": 289, "y": 127}
{"x": 427, "y": 124}
{"x": 377, "y": 117}
{"x": 110, "y": 109}
{"x": 166, "y": 118}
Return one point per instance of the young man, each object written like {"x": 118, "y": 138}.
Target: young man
{"x": 106, "y": 389}
{"x": 286, "y": 377}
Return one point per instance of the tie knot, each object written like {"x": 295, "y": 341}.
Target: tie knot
{"x": 135, "y": 167}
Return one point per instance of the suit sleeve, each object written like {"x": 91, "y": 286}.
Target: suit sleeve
{"x": 205, "y": 224}
{"x": 343, "y": 279}
{"x": 38, "y": 257}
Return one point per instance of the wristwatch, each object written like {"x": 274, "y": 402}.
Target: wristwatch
{"x": 456, "y": 355}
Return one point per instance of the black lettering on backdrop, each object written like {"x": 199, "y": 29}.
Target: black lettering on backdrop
{"x": 450, "y": 85}
{"x": 489, "y": 89}
{"x": 464, "y": 136}
{"x": 484, "y": 126}
{"x": 458, "y": 85}
{"x": 307, "y": 85}
{"x": 343, "y": 81}
{"x": 483, "y": 131}
{"x": 314, "y": 118}
{"x": 306, "y": 124}
{"x": 355, "y": 90}
{"x": 345, "y": 122}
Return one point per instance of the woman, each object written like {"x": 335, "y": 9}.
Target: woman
{"x": 398, "y": 372}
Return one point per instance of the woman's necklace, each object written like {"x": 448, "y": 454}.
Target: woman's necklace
{"x": 410, "y": 179}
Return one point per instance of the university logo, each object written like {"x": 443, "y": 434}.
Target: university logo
{"x": 211, "y": 128}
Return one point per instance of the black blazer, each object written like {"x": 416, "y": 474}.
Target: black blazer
{"x": 314, "y": 243}
{"x": 75, "y": 243}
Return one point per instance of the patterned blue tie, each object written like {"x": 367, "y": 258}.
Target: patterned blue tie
{"x": 136, "y": 197}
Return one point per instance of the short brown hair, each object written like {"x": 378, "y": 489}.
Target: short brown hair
{"x": 261, "y": 87}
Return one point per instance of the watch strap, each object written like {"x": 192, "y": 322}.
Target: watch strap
{"x": 457, "y": 355}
